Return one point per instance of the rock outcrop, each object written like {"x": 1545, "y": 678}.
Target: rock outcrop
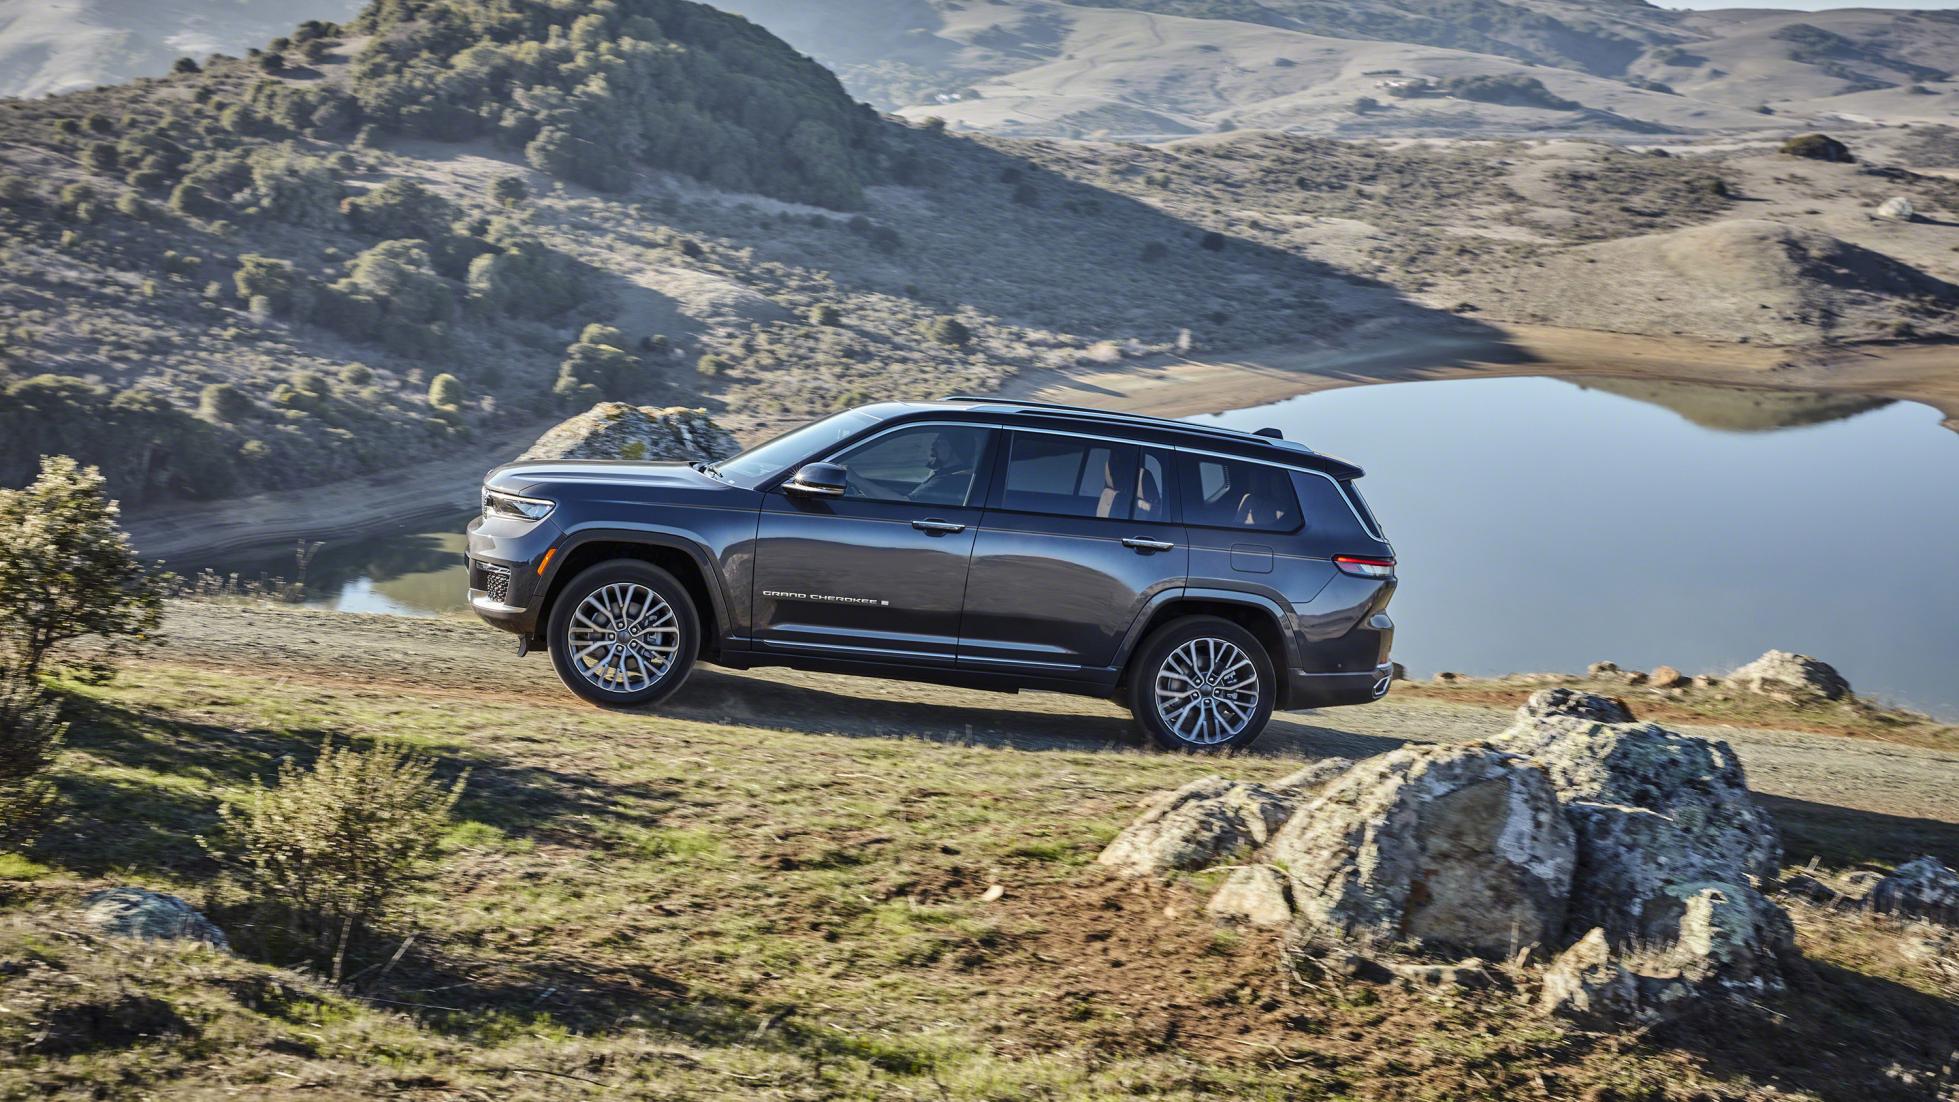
{"x": 1796, "y": 678}
{"x": 1924, "y": 888}
{"x": 1212, "y": 818}
{"x": 615, "y": 430}
{"x": 1462, "y": 847}
{"x": 1632, "y": 853}
{"x": 136, "y": 912}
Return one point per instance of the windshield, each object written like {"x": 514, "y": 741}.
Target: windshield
{"x": 763, "y": 460}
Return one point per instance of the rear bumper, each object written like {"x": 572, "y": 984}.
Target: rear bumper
{"x": 1308, "y": 689}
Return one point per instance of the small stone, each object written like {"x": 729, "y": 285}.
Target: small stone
{"x": 1666, "y": 677}
{"x": 1258, "y": 894}
{"x": 993, "y": 893}
{"x": 1586, "y": 984}
{"x": 136, "y": 912}
{"x": 1467, "y": 975}
{"x": 1603, "y": 670}
{"x": 1897, "y": 209}
{"x": 1924, "y": 888}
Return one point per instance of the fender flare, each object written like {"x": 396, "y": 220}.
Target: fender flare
{"x": 649, "y": 536}
{"x": 1281, "y": 619}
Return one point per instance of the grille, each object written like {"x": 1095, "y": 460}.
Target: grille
{"x": 496, "y": 582}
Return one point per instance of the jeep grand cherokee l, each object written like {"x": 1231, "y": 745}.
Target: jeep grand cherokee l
{"x": 1201, "y": 576}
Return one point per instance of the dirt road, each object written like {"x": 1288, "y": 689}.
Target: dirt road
{"x": 1826, "y": 777}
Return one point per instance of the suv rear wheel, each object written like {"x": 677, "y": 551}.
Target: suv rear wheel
{"x": 1202, "y": 683}
{"x": 623, "y": 633}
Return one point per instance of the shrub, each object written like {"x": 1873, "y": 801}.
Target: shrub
{"x": 185, "y": 65}
{"x": 825, "y": 314}
{"x": 333, "y": 847}
{"x": 1212, "y": 240}
{"x": 509, "y": 190}
{"x": 1818, "y": 147}
{"x": 400, "y": 209}
{"x": 710, "y": 365}
{"x": 446, "y": 391}
{"x": 598, "y": 359}
{"x": 101, "y": 157}
{"x": 357, "y": 375}
{"x": 224, "y": 402}
{"x": 272, "y": 279}
{"x": 29, "y": 737}
{"x": 399, "y": 276}
{"x": 67, "y": 571}
{"x": 948, "y": 330}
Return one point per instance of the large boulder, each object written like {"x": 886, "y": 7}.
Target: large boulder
{"x": 1923, "y": 888}
{"x": 136, "y": 912}
{"x": 1463, "y": 847}
{"x": 1796, "y": 678}
{"x": 1211, "y": 818}
{"x": 615, "y": 430}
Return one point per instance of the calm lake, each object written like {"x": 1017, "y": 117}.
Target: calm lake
{"x": 1543, "y": 524}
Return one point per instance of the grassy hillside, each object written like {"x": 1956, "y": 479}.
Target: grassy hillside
{"x": 254, "y": 275}
{"x": 783, "y": 888}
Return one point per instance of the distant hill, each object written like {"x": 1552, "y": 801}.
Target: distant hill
{"x": 1157, "y": 68}
{"x": 372, "y": 243}
{"x": 50, "y": 46}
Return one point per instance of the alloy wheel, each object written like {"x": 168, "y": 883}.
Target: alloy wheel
{"x": 623, "y": 637}
{"x": 1207, "y": 691}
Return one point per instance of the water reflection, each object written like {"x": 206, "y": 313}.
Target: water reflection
{"x": 410, "y": 574}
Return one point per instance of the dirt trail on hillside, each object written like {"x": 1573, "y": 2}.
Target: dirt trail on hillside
{"x": 1822, "y": 773}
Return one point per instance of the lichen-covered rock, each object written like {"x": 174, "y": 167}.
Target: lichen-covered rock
{"x": 1697, "y": 785}
{"x": 1588, "y": 984}
{"x": 1457, "y": 846}
{"x": 1924, "y": 888}
{"x": 615, "y": 430}
{"x": 1726, "y": 935}
{"x": 1573, "y": 702}
{"x": 1203, "y": 821}
{"x": 135, "y": 912}
{"x": 1258, "y": 894}
{"x": 1796, "y": 678}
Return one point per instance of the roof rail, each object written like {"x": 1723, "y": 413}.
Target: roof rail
{"x": 1062, "y": 409}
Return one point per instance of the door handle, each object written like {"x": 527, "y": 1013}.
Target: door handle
{"x": 1142, "y": 544}
{"x": 938, "y": 527}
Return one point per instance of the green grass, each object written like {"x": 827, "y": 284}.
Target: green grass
{"x": 636, "y": 905}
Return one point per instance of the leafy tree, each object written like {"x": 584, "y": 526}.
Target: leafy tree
{"x": 67, "y": 571}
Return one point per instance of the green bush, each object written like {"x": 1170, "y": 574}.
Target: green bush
{"x": 224, "y": 402}
{"x": 446, "y": 392}
{"x": 356, "y": 375}
{"x": 598, "y": 360}
{"x": 29, "y": 737}
{"x": 948, "y": 330}
{"x": 509, "y": 190}
{"x": 825, "y": 314}
{"x": 400, "y": 209}
{"x": 274, "y": 280}
{"x": 67, "y": 571}
{"x": 711, "y": 365}
{"x": 399, "y": 276}
{"x": 101, "y": 157}
{"x": 332, "y": 849}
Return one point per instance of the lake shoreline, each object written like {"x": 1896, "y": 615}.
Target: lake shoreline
{"x": 1188, "y": 386}
{"x": 1169, "y": 386}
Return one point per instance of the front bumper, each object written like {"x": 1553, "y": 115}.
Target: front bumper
{"x": 1329, "y": 690}
{"x": 504, "y": 559}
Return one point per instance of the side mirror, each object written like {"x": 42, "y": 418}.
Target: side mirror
{"x": 818, "y": 480}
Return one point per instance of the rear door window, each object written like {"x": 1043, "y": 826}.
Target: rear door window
{"x": 1237, "y": 493}
{"x": 1070, "y": 477}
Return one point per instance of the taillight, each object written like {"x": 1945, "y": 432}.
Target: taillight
{"x": 1361, "y": 567}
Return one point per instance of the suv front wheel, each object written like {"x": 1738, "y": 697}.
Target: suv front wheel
{"x": 1202, "y": 683}
{"x": 623, "y": 633}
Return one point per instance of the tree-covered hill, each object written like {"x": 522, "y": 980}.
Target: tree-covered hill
{"x": 367, "y": 245}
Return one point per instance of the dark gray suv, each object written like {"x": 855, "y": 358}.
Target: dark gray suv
{"x": 1200, "y": 576}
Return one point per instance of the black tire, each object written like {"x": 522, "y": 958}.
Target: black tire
{"x": 615, "y": 578}
{"x": 1228, "y": 697}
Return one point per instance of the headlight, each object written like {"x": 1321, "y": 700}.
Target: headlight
{"x": 496, "y": 503}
